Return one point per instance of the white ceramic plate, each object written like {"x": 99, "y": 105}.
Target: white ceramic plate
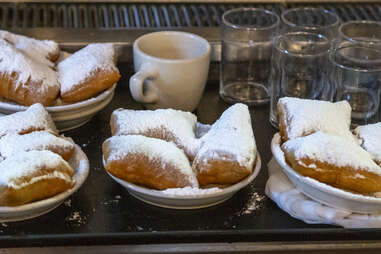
{"x": 194, "y": 201}
{"x": 70, "y": 116}
{"x": 80, "y": 164}
{"x": 324, "y": 193}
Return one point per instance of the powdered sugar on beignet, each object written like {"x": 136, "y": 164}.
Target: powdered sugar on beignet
{"x": 28, "y": 167}
{"x": 228, "y": 149}
{"x": 332, "y": 149}
{"x": 38, "y": 140}
{"x": 301, "y": 117}
{"x": 25, "y": 79}
{"x": 168, "y": 124}
{"x": 159, "y": 156}
{"x": 370, "y": 139}
{"x": 232, "y": 136}
{"x": 77, "y": 68}
{"x": 37, "y": 49}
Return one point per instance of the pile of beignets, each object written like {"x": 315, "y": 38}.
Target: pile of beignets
{"x": 33, "y": 158}
{"x": 32, "y": 72}
{"x": 318, "y": 143}
{"x": 167, "y": 148}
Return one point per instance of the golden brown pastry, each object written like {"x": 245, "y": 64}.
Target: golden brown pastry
{"x": 334, "y": 160}
{"x": 24, "y": 79}
{"x": 35, "y": 118}
{"x": 31, "y": 176}
{"x": 168, "y": 124}
{"x": 228, "y": 149}
{"x": 88, "y": 72}
{"x": 13, "y": 144}
{"x": 150, "y": 162}
{"x": 301, "y": 117}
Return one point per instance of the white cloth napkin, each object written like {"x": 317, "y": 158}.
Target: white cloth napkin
{"x": 282, "y": 191}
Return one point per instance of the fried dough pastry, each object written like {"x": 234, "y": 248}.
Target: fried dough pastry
{"x": 301, "y": 117}
{"x": 31, "y": 176}
{"x": 150, "y": 162}
{"x": 35, "y": 118}
{"x": 13, "y": 144}
{"x": 228, "y": 149}
{"x": 88, "y": 72}
{"x": 168, "y": 124}
{"x": 37, "y": 49}
{"x": 370, "y": 139}
{"x": 334, "y": 160}
{"x": 24, "y": 79}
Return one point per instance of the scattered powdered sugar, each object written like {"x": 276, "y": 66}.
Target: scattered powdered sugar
{"x": 190, "y": 191}
{"x": 254, "y": 203}
{"x": 332, "y": 149}
{"x": 35, "y": 116}
{"x": 30, "y": 163}
{"x": 27, "y": 68}
{"x": 303, "y": 117}
{"x": 230, "y": 135}
{"x": 67, "y": 203}
{"x": 180, "y": 124}
{"x": 370, "y": 135}
{"x": 76, "y": 68}
{"x": 37, "y": 140}
{"x": 76, "y": 219}
{"x": 154, "y": 149}
{"x": 40, "y": 50}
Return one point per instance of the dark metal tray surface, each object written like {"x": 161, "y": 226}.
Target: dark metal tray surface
{"x": 103, "y": 213}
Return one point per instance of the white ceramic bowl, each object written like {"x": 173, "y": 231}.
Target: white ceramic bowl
{"x": 324, "y": 193}
{"x": 189, "y": 201}
{"x": 80, "y": 164}
{"x": 70, "y": 116}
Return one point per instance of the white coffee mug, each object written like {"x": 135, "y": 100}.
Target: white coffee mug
{"x": 171, "y": 70}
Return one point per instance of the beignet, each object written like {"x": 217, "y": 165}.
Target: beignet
{"x": 39, "y": 140}
{"x": 334, "y": 160}
{"x": 168, "y": 124}
{"x": 88, "y": 72}
{"x": 38, "y": 49}
{"x": 35, "y": 118}
{"x": 370, "y": 139}
{"x": 228, "y": 149}
{"x": 301, "y": 117}
{"x": 31, "y": 176}
{"x": 24, "y": 79}
{"x": 150, "y": 162}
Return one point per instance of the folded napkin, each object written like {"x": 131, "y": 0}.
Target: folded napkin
{"x": 282, "y": 191}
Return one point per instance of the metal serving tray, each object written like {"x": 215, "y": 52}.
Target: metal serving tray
{"x": 102, "y": 217}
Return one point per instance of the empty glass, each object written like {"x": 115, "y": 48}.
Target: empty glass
{"x": 299, "y": 68}
{"x": 312, "y": 20}
{"x": 363, "y": 32}
{"x": 357, "y": 77}
{"x": 246, "y": 55}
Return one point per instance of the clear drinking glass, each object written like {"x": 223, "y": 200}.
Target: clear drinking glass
{"x": 246, "y": 55}
{"x": 312, "y": 20}
{"x": 363, "y": 32}
{"x": 357, "y": 77}
{"x": 299, "y": 68}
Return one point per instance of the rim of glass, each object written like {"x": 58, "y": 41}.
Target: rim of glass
{"x": 285, "y": 51}
{"x": 248, "y": 9}
{"x": 291, "y": 24}
{"x": 332, "y": 60}
{"x": 359, "y": 22}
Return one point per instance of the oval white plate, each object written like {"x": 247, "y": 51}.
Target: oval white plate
{"x": 80, "y": 164}
{"x": 162, "y": 199}
{"x": 322, "y": 192}
{"x": 69, "y": 116}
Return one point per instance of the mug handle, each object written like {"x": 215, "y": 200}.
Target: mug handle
{"x": 136, "y": 84}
